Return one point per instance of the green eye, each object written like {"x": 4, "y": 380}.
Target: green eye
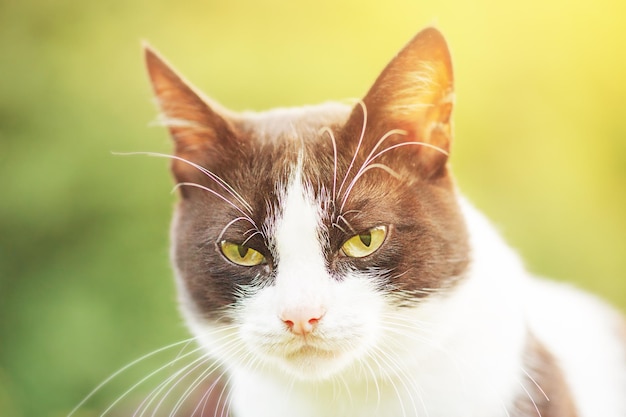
{"x": 366, "y": 243}
{"x": 241, "y": 255}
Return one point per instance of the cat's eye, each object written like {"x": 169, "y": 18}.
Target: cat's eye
{"x": 241, "y": 254}
{"x": 366, "y": 243}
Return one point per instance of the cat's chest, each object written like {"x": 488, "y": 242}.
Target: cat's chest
{"x": 442, "y": 392}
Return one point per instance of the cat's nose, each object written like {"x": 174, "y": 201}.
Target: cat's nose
{"x": 302, "y": 321}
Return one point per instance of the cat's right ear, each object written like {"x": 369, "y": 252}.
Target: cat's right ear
{"x": 415, "y": 94}
{"x": 196, "y": 127}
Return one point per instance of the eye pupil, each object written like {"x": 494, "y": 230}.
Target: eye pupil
{"x": 243, "y": 251}
{"x": 366, "y": 239}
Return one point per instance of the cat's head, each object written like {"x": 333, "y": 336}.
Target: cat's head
{"x": 301, "y": 233}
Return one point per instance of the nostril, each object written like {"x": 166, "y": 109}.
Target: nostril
{"x": 301, "y": 322}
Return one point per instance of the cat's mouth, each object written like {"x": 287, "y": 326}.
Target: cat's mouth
{"x": 310, "y": 361}
{"x": 309, "y": 351}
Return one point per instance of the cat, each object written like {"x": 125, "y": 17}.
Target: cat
{"x": 326, "y": 261}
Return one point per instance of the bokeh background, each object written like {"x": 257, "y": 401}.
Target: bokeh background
{"x": 85, "y": 284}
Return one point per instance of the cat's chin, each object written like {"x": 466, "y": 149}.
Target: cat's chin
{"x": 309, "y": 363}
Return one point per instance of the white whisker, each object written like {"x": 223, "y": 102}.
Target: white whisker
{"x": 388, "y": 364}
{"x": 382, "y": 140}
{"x": 204, "y": 400}
{"x": 194, "y": 385}
{"x": 372, "y": 156}
{"x": 202, "y": 169}
{"x": 144, "y": 406}
{"x": 334, "y": 142}
{"x": 360, "y": 174}
{"x": 398, "y": 145}
{"x": 142, "y": 380}
{"x": 215, "y": 193}
{"x": 204, "y": 376}
{"x": 250, "y": 237}
{"x": 530, "y": 397}
{"x": 358, "y": 146}
{"x": 536, "y": 384}
{"x": 342, "y": 217}
{"x": 230, "y": 223}
{"x": 335, "y": 224}
{"x": 124, "y": 368}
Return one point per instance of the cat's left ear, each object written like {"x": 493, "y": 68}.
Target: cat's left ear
{"x": 415, "y": 94}
{"x": 199, "y": 127}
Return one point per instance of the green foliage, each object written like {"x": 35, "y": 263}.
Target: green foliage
{"x": 85, "y": 284}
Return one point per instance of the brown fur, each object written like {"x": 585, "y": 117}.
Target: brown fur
{"x": 545, "y": 392}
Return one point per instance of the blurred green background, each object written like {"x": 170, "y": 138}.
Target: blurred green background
{"x": 85, "y": 284}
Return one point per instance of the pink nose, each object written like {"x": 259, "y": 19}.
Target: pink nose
{"x": 302, "y": 321}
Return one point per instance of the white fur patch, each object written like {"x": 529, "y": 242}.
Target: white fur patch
{"x": 456, "y": 354}
{"x": 301, "y": 277}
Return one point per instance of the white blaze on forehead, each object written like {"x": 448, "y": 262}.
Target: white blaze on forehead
{"x": 301, "y": 271}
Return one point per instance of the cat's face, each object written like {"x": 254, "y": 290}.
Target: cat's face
{"x": 300, "y": 234}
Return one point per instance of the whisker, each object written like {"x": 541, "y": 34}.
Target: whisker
{"x": 215, "y": 193}
{"x": 374, "y": 378}
{"x": 142, "y": 380}
{"x": 388, "y": 364}
{"x": 203, "y": 376}
{"x": 358, "y": 146}
{"x": 536, "y": 384}
{"x": 204, "y": 400}
{"x": 206, "y": 374}
{"x": 178, "y": 358}
{"x": 383, "y": 139}
{"x": 250, "y": 231}
{"x": 250, "y": 237}
{"x": 192, "y": 387}
{"x": 189, "y": 342}
{"x": 530, "y": 397}
{"x": 230, "y": 223}
{"x": 144, "y": 406}
{"x": 347, "y": 389}
{"x": 124, "y": 368}
{"x": 227, "y": 399}
{"x": 398, "y": 145}
{"x": 224, "y": 400}
{"x": 334, "y": 142}
{"x": 339, "y": 227}
{"x": 371, "y": 157}
{"x": 360, "y": 174}
{"x": 202, "y": 169}
{"x": 342, "y": 217}
{"x": 400, "y": 326}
